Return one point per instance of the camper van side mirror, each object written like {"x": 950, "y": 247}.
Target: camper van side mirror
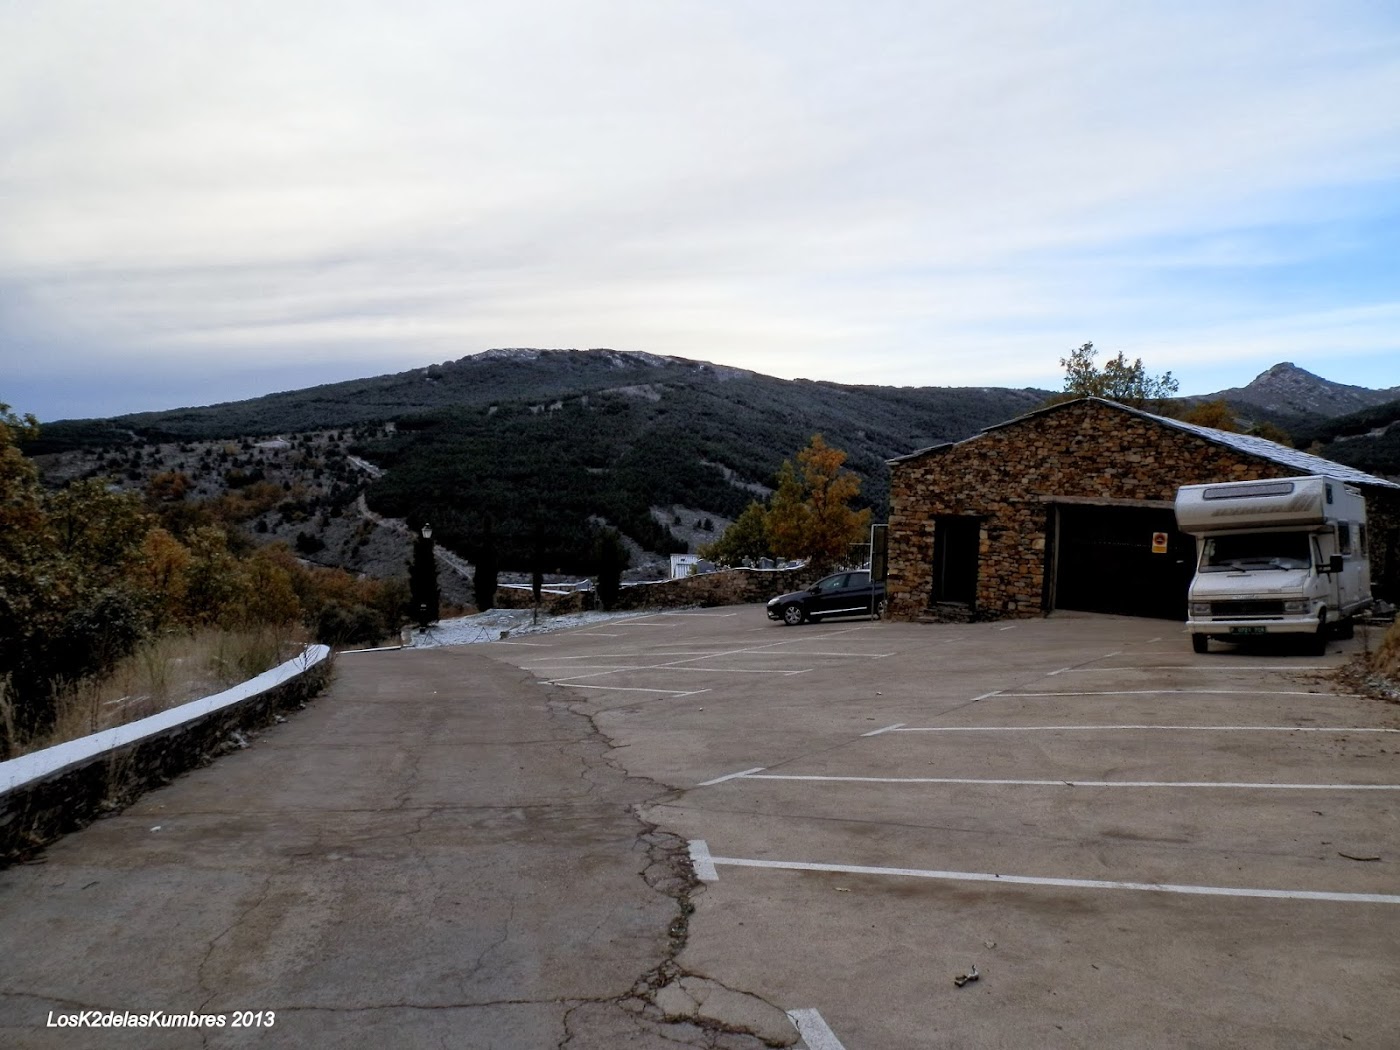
{"x": 1335, "y": 565}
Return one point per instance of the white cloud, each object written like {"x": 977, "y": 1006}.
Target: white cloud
{"x": 919, "y": 193}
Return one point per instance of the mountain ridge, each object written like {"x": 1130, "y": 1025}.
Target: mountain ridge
{"x": 1287, "y": 389}
{"x": 542, "y": 444}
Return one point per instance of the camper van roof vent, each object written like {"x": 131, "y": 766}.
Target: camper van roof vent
{"x": 1248, "y": 489}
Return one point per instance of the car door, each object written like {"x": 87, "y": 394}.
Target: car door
{"x": 854, "y": 594}
{"x": 859, "y": 592}
{"x": 827, "y": 595}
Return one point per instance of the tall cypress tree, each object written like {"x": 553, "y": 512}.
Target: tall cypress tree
{"x": 488, "y": 567}
{"x": 611, "y": 558}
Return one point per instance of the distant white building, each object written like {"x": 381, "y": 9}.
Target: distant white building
{"x": 683, "y": 565}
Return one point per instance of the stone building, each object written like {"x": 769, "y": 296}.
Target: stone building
{"x": 1058, "y": 509}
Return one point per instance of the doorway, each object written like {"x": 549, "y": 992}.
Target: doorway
{"x": 957, "y": 541}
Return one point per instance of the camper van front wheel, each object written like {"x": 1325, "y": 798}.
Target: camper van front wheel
{"x": 1200, "y": 643}
{"x": 1317, "y": 643}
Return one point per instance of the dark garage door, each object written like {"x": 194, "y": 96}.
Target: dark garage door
{"x": 1105, "y": 562}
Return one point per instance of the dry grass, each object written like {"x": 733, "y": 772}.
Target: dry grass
{"x": 1386, "y": 659}
{"x": 166, "y": 671}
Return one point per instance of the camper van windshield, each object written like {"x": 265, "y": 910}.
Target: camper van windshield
{"x": 1256, "y": 550}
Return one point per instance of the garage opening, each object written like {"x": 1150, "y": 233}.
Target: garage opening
{"x": 1112, "y": 559}
{"x": 956, "y": 542}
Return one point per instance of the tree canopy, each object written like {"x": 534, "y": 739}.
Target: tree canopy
{"x": 88, "y": 572}
{"x": 808, "y": 516}
{"x": 1121, "y": 380}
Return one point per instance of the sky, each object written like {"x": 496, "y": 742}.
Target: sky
{"x": 205, "y": 202}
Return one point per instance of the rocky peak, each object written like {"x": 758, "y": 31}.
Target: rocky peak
{"x": 1285, "y": 387}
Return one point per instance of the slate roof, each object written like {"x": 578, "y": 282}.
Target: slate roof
{"x": 1260, "y": 448}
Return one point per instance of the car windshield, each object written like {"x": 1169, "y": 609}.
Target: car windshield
{"x": 1256, "y": 550}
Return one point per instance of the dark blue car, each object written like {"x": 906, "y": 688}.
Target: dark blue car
{"x": 840, "y": 594}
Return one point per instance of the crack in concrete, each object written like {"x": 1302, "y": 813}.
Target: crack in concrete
{"x": 214, "y": 943}
{"x": 489, "y": 949}
{"x": 668, "y": 871}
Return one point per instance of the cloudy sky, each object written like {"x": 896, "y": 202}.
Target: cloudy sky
{"x": 203, "y": 201}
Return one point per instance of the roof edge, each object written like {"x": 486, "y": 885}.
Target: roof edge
{"x": 1246, "y": 444}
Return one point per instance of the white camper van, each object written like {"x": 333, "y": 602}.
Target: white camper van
{"x": 1286, "y": 556}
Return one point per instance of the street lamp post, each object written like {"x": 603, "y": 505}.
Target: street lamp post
{"x": 422, "y": 579}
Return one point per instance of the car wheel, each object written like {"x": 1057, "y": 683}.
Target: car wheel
{"x": 1317, "y": 643}
{"x": 794, "y": 615}
{"x": 1200, "y": 643}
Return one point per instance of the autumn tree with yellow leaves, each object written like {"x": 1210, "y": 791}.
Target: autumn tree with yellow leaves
{"x": 809, "y": 515}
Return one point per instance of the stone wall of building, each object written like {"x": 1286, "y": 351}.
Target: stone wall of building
{"x": 1383, "y": 538}
{"x": 1007, "y": 477}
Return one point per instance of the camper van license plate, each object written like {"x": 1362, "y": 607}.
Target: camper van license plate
{"x": 1246, "y": 630}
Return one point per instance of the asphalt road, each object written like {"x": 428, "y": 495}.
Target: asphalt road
{"x": 487, "y": 847}
{"x": 430, "y": 855}
{"x": 1134, "y": 845}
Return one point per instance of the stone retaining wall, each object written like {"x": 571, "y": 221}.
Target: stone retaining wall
{"x": 555, "y": 603}
{"x": 726, "y": 587}
{"x": 49, "y": 793}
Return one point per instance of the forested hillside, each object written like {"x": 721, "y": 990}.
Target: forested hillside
{"x": 542, "y": 472}
{"x": 1368, "y": 440}
{"x": 546, "y": 444}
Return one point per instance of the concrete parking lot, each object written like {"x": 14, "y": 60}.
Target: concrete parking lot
{"x": 1134, "y": 845}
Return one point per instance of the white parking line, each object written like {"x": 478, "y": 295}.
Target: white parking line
{"x": 619, "y": 668}
{"x": 635, "y": 656}
{"x": 701, "y": 862}
{"x": 869, "y": 656}
{"x": 537, "y": 645}
{"x": 1252, "y": 668}
{"x": 887, "y": 729}
{"x": 1073, "y": 783}
{"x": 630, "y": 689}
{"x": 684, "y": 613}
{"x": 1083, "y": 884}
{"x": 901, "y": 728}
{"x": 1192, "y": 692}
{"x": 732, "y": 776}
{"x": 814, "y": 1030}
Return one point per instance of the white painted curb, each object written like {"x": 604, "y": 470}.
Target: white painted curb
{"x": 27, "y": 769}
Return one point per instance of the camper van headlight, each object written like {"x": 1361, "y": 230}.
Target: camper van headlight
{"x": 1297, "y": 605}
{"x": 1200, "y": 608}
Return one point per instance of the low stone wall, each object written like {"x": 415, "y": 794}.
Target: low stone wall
{"x": 555, "y": 603}
{"x": 726, "y": 587}
{"x": 49, "y": 793}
